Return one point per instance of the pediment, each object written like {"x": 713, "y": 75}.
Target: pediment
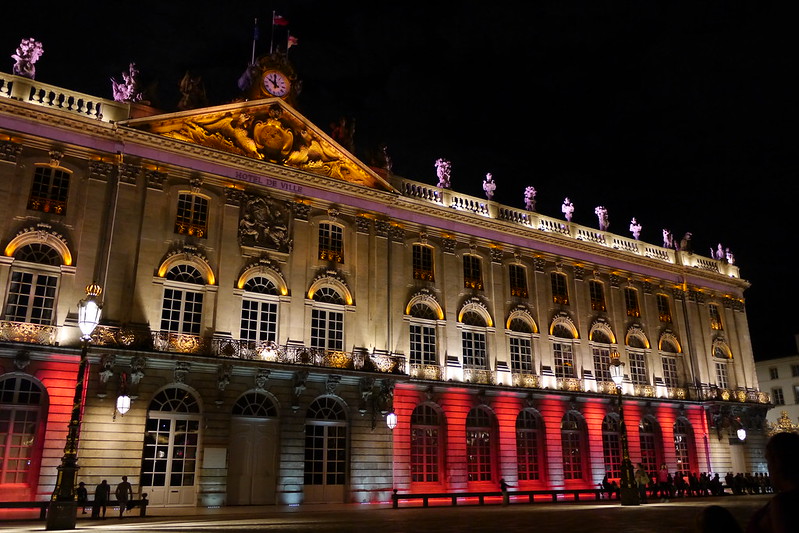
{"x": 268, "y": 130}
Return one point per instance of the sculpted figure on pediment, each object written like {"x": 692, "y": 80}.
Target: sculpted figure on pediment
{"x": 264, "y": 222}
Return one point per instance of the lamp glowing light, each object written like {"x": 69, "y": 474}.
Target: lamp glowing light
{"x": 391, "y": 420}
{"x": 741, "y": 434}
{"x": 123, "y": 404}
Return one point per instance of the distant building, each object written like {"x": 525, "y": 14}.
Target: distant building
{"x": 780, "y": 378}
{"x": 269, "y": 299}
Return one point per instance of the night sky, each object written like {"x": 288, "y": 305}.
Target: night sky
{"x": 680, "y": 114}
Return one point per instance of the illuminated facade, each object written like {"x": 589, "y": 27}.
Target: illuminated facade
{"x": 268, "y": 299}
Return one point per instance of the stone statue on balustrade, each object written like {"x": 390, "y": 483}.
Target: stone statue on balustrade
{"x": 28, "y": 53}
{"x": 489, "y": 186}
{"x": 128, "y": 90}
{"x": 730, "y": 257}
{"x": 602, "y": 214}
{"x": 635, "y": 228}
{"x": 685, "y": 243}
{"x": 567, "y": 208}
{"x": 529, "y": 198}
{"x": 444, "y": 172}
{"x": 668, "y": 239}
{"x": 192, "y": 92}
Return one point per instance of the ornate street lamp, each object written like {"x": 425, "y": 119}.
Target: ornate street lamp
{"x": 62, "y": 513}
{"x": 628, "y": 488}
{"x": 391, "y": 420}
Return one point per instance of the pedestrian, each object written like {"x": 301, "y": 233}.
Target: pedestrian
{"x": 503, "y": 487}
{"x": 83, "y": 496}
{"x": 124, "y": 493}
{"x": 102, "y": 493}
{"x": 663, "y": 483}
{"x": 778, "y": 515}
{"x": 641, "y": 480}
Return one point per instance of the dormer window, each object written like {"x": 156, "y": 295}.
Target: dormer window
{"x": 49, "y": 191}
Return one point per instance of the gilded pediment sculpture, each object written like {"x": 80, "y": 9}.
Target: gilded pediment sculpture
{"x": 267, "y": 130}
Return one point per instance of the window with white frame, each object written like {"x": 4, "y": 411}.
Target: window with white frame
{"x": 562, "y": 351}
{"x": 33, "y": 285}
{"x": 423, "y": 262}
{"x": 529, "y": 448}
{"x": 259, "y": 307}
{"x": 722, "y": 378}
{"x": 473, "y": 341}
{"x": 479, "y": 443}
{"x": 669, "y": 370}
{"x": 778, "y": 396}
{"x": 521, "y": 348}
{"x": 423, "y": 335}
{"x": 683, "y": 435}
{"x": 425, "y": 445}
{"x": 638, "y": 368}
{"x": 796, "y": 394}
{"x": 794, "y": 371}
{"x": 472, "y": 272}
{"x": 601, "y": 353}
{"x": 773, "y": 373}
{"x": 182, "y": 304}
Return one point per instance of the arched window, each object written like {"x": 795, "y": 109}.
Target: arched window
{"x": 171, "y": 444}
{"x": 22, "y": 409}
{"x": 425, "y": 444}
{"x": 423, "y": 335}
{"x": 562, "y": 350}
{"x": 255, "y": 404}
{"x": 651, "y": 444}
{"x": 479, "y": 444}
{"x": 521, "y": 347}
{"x": 259, "y": 308}
{"x": 683, "y": 449}
{"x": 611, "y": 445}
{"x": 572, "y": 434}
{"x": 601, "y": 351}
{"x": 529, "y": 445}
{"x": 325, "y": 443}
{"x": 33, "y": 285}
{"x": 327, "y": 321}
{"x": 473, "y": 341}
{"x": 182, "y": 307}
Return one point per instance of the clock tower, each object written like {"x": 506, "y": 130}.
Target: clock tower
{"x": 272, "y": 76}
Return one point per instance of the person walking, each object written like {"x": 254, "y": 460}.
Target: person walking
{"x": 83, "y": 496}
{"x": 503, "y": 487}
{"x": 663, "y": 483}
{"x": 641, "y": 480}
{"x": 124, "y": 493}
{"x": 102, "y": 493}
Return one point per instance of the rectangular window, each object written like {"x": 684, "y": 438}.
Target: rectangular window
{"x": 331, "y": 243}
{"x": 521, "y": 355}
{"x": 560, "y": 293}
{"x": 777, "y": 396}
{"x": 423, "y": 262}
{"x": 602, "y": 364}
{"x": 631, "y": 302}
{"x": 796, "y": 394}
{"x": 18, "y": 427}
{"x": 773, "y": 373}
{"x": 192, "y": 216}
{"x": 611, "y": 448}
{"x": 478, "y": 451}
{"x": 564, "y": 360}
{"x": 472, "y": 274}
{"x": 258, "y": 320}
{"x": 664, "y": 309}
{"x": 474, "y": 349}
{"x": 649, "y": 455}
{"x": 527, "y": 454}
{"x": 424, "y": 454}
{"x": 327, "y": 330}
{"x": 182, "y": 311}
{"x": 518, "y": 281}
{"x": 638, "y": 368}
{"x": 721, "y": 376}
{"x": 49, "y": 191}
{"x": 423, "y": 345}
{"x": 669, "y": 371}
{"x": 794, "y": 371}
{"x": 715, "y": 317}
{"x": 572, "y": 459}
{"x": 31, "y": 298}
{"x": 597, "y": 292}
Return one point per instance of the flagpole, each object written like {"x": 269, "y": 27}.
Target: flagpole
{"x": 254, "y": 38}
{"x": 272, "y": 35}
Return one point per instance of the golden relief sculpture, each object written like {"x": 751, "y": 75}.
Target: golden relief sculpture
{"x": 268, "y": 132}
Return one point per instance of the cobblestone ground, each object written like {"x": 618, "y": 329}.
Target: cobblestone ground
{"x": 672, "y": 517}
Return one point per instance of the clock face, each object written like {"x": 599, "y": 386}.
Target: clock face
{"x": 276, "y": 83}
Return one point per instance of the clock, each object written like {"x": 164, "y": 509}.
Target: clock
{"x": 276, "y": 83}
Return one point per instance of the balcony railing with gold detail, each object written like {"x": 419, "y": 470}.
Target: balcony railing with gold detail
{"x": 193, "y": 229}
{"x": 26, "y": 332}
{"x": 528, "y": 381}
{"x": 47, "y": 205}
{"x": 569, "y": 384}
{"x": 429, "y": 372}
{"x": 479, "y": 375}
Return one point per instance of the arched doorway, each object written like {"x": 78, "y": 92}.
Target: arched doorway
{"x": 23, "y": 408}
{"x": 171, "y": 445}
{"x": 252, "y": 467}
{"x": 325, "y": 451}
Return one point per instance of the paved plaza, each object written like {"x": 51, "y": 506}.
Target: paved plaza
{"x": 672, "y": 517}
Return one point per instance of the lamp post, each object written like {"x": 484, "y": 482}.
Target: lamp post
{"x": 628, "y": 489}
{"x": 63, "y": 506}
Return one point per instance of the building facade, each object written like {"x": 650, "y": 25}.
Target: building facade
{"x": 268, "y": 299}
{"x": 780, "y": 378}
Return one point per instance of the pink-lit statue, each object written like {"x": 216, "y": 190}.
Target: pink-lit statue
{"x": 128, "y": 89}
{"x": 28, "y": 53}
{"x": 668, "y": 239}
{"x": 443, "y": 171}
{"x": 489, "y": 186}
{"x": 635, "y": 228}
{"x": 567, "y": 208}
{"x": 602, "y": 214}
{"x": 529, "y": 198}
